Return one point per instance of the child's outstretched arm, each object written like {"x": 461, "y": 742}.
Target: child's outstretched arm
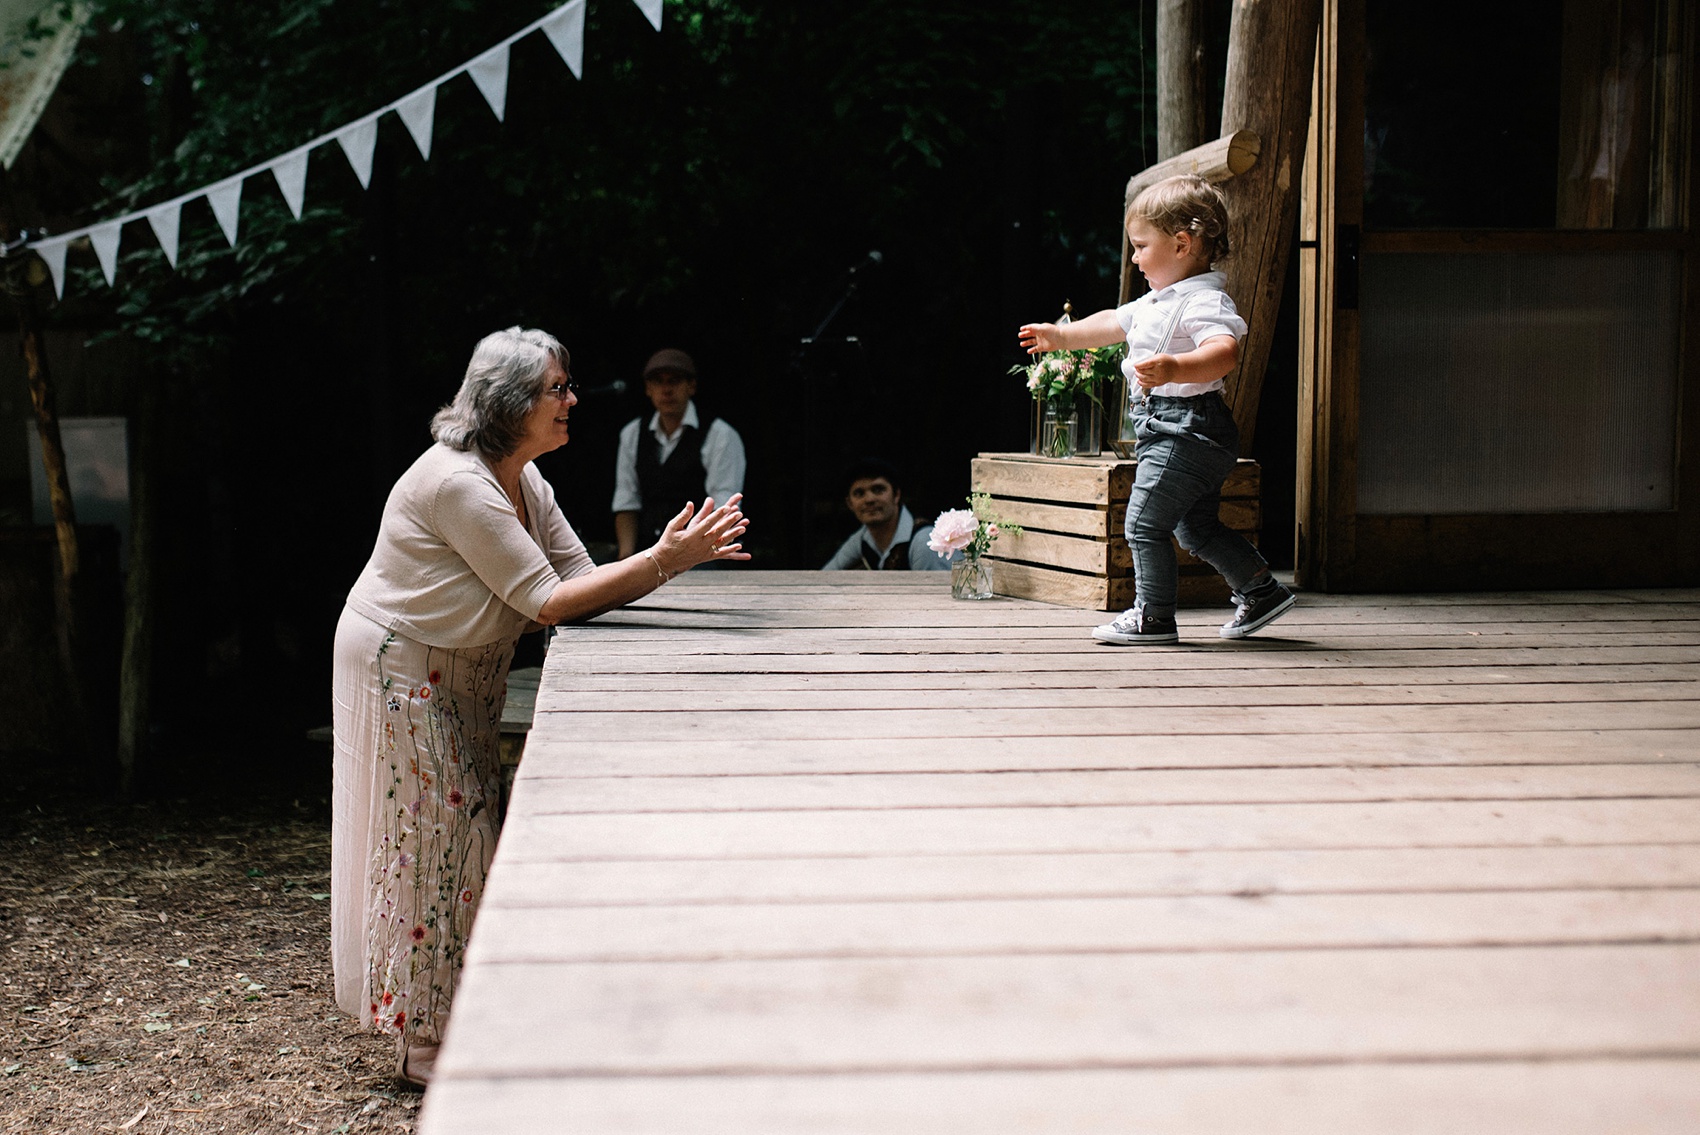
{"x": 1210, "y": 360}
{"x": 1098, "y": 330}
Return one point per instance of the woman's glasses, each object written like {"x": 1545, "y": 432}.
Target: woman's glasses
{"x": 561, "y": 389}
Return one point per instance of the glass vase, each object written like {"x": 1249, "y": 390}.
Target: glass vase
{"x": 971, "y": 579}
{"x": 1060, "y": 429}
{"x": 1124, "y": 439}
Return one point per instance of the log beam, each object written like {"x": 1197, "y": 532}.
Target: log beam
{"x": 1221, "y": 160}
{"x": 1271, "y": 62}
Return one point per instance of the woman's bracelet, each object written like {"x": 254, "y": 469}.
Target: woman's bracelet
{"x": 662, "y": 574}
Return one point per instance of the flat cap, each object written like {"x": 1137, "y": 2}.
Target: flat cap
{"x": 670, "y": 359}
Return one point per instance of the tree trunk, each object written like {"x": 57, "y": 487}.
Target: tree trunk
{"x": 58, "y": 489}
{"x": 1182, "y": 77}
{"x": 1271, "y": 58}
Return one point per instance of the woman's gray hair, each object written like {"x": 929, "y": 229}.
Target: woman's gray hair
{"x": 503, "y": 381}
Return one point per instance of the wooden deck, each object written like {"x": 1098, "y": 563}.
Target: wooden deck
{"x": 794, "y": 852}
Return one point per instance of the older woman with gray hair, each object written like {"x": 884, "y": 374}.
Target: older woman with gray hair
{"x": 471, "y": 552}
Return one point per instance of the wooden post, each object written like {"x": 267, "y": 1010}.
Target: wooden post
{"x": 135, "y": 669}
{"x": 1271, "y": 59}
{"x": 1181, "y": 77}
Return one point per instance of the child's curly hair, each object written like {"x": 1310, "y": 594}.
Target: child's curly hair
{"x": 1189, "y": 203}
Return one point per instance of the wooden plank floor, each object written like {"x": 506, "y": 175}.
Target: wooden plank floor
{"x": 795, "y": 852}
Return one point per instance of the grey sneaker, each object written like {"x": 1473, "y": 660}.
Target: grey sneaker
{"x": 1134, "y": 628}
{"x": 1258, "y": 610}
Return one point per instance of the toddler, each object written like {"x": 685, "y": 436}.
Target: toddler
{"x": 1183, "y": 338}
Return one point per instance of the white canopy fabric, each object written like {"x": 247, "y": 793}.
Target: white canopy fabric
{"x": 31, "y": 65}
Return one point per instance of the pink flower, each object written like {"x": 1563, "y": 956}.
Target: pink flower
{"x": 952, "y": 531}
{"x": 991, "y": 531}
{"x": 455, "y": 798}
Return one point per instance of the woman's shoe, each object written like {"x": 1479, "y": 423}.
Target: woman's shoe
{"x": 417, "y": 1064}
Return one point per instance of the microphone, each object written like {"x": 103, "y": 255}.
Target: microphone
{"x": 618, "y": 386}
{"x": 873, "y": 258}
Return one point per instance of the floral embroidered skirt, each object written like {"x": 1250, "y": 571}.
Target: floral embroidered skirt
{"x": 413, "y": 826}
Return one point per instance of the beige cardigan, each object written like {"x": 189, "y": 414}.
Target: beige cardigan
{"x": 453, "y": 566}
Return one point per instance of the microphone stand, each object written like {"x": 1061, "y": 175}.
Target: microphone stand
{"x": 798, "y": 366}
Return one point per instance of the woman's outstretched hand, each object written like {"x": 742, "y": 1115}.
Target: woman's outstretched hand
{"x": 693, "y": 538}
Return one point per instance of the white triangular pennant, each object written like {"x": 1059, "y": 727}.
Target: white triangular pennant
{"x": 418, "y": 110}
{"x": 652, "y": 9}
{"x": 358, "y": 140}
{"x": 565, "y": 29}
{"x": 105, "y": 241}
{"x": 53, "y": 251}
{"x": 490, "y": 72}
{"x": 226, "y": 201}
{"x": 164, "y": 220}
{"x": 291, "y": 173}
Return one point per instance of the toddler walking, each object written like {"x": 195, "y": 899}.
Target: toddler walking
{"x": 1183, "y": 339}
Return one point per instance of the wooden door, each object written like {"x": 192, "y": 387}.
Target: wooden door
{"x": 1497, "y": 377}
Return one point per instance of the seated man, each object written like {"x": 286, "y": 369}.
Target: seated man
{"x": 679, "y": 457}
{"x": 890, "y": 539}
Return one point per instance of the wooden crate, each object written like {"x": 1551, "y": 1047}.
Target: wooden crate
{"x": 1072, "y": 550}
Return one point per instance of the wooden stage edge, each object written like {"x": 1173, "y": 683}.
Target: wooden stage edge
{"x": 831, "y": 853}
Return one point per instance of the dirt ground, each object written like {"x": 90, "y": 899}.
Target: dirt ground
{"x": 167, "y": 969}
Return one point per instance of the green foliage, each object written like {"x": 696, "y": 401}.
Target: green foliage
{"x": 762, "y": 109}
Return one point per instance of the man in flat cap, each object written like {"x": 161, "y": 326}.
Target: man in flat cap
{"x": 674, "y": 457}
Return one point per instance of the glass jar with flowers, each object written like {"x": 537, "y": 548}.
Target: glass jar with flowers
{"x": 971, "y": 531}
{"x": 1068, "y": 404}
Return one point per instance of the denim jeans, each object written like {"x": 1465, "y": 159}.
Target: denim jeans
{"x": 1186, "y": 449}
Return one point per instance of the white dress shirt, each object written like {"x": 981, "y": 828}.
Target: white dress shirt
{"x": 722, "y": 458}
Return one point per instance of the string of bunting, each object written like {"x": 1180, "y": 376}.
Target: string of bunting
{"x": 564, "y": 26}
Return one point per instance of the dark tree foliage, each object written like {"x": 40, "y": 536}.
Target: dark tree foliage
{"x": 708, "y": 187}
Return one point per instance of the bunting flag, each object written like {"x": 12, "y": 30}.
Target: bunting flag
{"x": 163, "y": 219}
{"x": 53, "y": 251}
{"x": 490, "y": 72}
{"x": 358, "y": 140}
{"x": 417, "y": 112}
{"x": 564, "y": 26}
{"x": 105, "y": 241}
{"x": 565, "y": 29}
{"x": 226, "y": 201}
{"x": 291, "y": 174}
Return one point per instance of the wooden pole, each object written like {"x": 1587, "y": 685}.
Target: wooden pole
{"x": 1181, "y": 77}
{"x": 1271, "y": 61}
{"x": 135, "y": 670}
{"x": 1227, "y": 157}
